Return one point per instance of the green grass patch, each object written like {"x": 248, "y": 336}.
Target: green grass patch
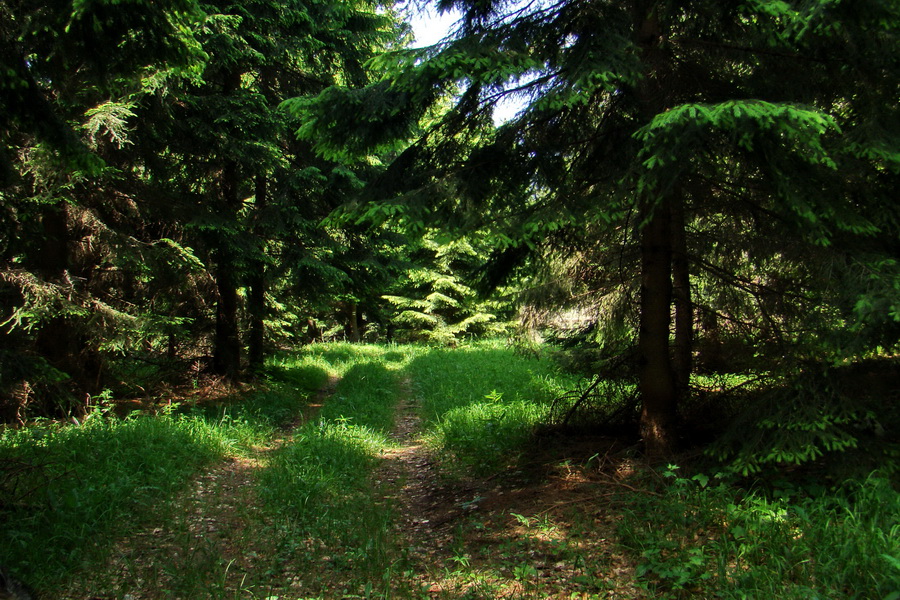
{"x": 67, "y": 491}
{"x": 320, "y": 483}
{"x": 481, "y": 402}
{"x": 708, "y": 538}
{"x": 84, "y": 485}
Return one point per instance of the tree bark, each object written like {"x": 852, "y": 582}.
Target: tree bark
{"x": 682, "y": 357}
{"x": 56, "y": 339}
{"x": 256, "y": 299}
{"x": 227, "y": 343}
{"x": 353, "y": 322}
{"x": 657, "y": 385}
{"x": 60, "y": 340}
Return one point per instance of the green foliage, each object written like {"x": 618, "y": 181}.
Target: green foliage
{"x": 66, "y": 491}
{"x": 836, "y": 412}
{"x": 702, "y": 536}
{"x": 433, "y": 302}
{"x": 749, "y": 132}
{"x": 187, "y": 193}
{"x": 320, "y": 482}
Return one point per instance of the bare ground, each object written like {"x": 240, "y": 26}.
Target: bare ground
{"x": 544, "y": 531}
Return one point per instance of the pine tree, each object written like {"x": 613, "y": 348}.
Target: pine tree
{"x": 150, "y": 176}
{"x": 433, "y": 302}
{"x": 62, "y": 64}
{"x": 654, "y": 115}
{"x": 227, "y": 143}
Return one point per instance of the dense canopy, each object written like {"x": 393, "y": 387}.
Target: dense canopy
{"x": 699, "y": 186}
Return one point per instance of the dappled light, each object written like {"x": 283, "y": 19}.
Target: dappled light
{"x": 577, "y": 299}
{"x": 408, "y": 474}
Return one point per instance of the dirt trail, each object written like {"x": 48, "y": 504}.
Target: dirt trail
{"x": 515, "y": 518}
{"x": 211, "y": 536}
{"x": 214, "y": 541}
{"x": 422, "y": 504}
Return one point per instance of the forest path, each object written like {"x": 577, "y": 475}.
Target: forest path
{"x": 423, "y": 503}
{"x": 513, "y": 535}
{"x": 207, "y": 542}
{"x": 516, "y": 535}
{"x": 428, "y": 508}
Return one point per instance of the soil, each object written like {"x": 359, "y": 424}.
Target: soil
{"x": 520, "y": 529}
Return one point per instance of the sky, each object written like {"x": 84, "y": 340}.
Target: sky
{"x": 429, "y": 27}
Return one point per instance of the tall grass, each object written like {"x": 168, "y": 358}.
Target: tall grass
{"x": 481, "y": 402}
{"x": 709, "y": 540}
{"x": 88, "y": 483}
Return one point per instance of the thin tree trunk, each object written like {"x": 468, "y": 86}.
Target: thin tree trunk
{"x": 59, "y": 340}
{"x": 711, "y": 351}
{"x": 657, "y": 386}
{"x": 256, "y": 299}
{"x": 55, "y": 339}
{"x": 353, "y": 322}
{"x": 682, "y": 358}
{"x": 227, "y": 344}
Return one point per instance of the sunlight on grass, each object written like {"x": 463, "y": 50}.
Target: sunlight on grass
{"x": 329, "y": 521}
{"x": 320, "y": 482}
{"x": 482, "y": 402}
{"x": 77, "y": 487}
{"x": 92, "y": 482}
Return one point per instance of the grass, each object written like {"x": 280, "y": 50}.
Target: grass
{"x": 319, "y": 485}
{"x": 713, "y": 538}
{"x": 481, "y": 402}
{"x": 71, "y": 489}
{"x": 92, "y": 482}
{"x": 325, "y": 526}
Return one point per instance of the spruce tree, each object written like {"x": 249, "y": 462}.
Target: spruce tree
{"x": 650, "y": 115}
{"x": 65, "y": 67}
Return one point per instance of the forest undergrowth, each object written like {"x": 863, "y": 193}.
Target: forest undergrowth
{"x": 362, "y": 471}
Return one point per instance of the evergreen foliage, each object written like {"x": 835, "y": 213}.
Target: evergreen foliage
{"x": 694, "y": 186}
{"x": 155, "y": 198}
{"x": 433, "y": 302}
{"x": 697, "y": 131}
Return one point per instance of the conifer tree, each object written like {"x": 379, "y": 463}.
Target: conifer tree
{"x": 227, "y": 143}
{"x": 63, "y": 63}
{"x": 148, "y": 175}
{"x": 433, "y": 301}
{"x": 659, "y": 116}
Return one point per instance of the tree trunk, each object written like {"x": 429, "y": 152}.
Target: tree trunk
{"x": 657, "y": 386}
{"x": 227, "y": 343}
{"x": 710, "y": 345}
{"x": 256, "y": 299}
{"x": 682, "y": 358}
{"x": 56, "y": 338}
{"x": 353, "y": 322}
{"x": 66, "y": 346}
